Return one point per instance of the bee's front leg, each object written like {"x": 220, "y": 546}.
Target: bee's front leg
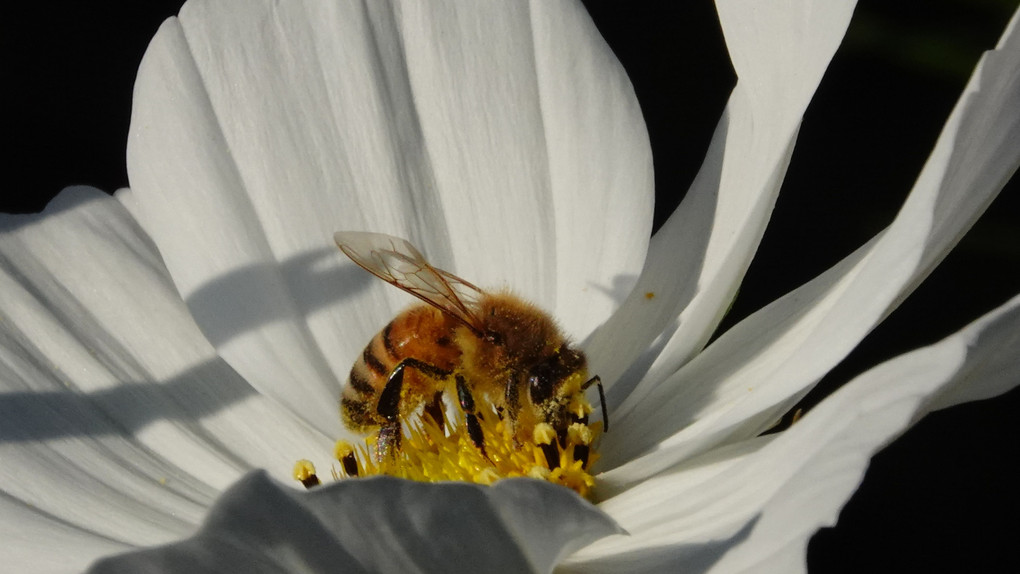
{"x": 596, "y": 380}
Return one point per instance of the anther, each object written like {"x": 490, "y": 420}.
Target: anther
{"x": 344, "y": 453}
{"x": 304, "y": 472}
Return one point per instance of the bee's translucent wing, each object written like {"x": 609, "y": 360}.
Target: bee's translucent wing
{"x": 399, "y": 263}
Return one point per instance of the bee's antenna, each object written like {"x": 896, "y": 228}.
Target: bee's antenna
{"x": 602, "y": 400}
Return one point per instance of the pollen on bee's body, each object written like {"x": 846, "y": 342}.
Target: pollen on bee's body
{"x": 441, "y": 450}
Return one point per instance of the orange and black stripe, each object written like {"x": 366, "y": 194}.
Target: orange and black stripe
{"x": 365, "y": 381}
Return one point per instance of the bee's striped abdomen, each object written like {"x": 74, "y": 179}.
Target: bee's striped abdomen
{"x": 366, "y": 380}
{"x": 423, "y": 333}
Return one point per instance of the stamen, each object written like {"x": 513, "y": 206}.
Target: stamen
{"x": 344, "y": 452}
{"x": 304, "y": 472}
{"x": 578, "y": 433}
{"x": 435, "y": 448}
{"x": 544, "y": 433}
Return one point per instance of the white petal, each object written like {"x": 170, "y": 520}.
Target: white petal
{"x": 382, "y": 525}
{"x": 696, "y": 261}
{"x": 118, "y": 423}
{"x": 745, "y": 380}
{"x": 752, "y": 506}
{"x": 599, "y": 164}
{"x": 486, "y": 133}
{"x": 35, "y": 542}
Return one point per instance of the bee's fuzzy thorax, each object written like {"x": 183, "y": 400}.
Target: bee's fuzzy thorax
{"x": 513, "y": 331}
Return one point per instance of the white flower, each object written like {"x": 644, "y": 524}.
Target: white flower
{"x": 506, "y": 141}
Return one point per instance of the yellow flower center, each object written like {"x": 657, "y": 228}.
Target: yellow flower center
{"x": 431, "y": 451}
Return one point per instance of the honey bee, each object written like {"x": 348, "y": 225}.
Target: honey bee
{"x": 492, "y": 345}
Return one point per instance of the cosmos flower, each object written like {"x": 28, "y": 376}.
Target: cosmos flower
{"x": 160, "y": 345}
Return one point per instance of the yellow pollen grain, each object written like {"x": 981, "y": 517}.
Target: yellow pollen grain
{"x": 486, "y": 476}
{"x": 578, "y": 433}
{"x": 544, "y": 433}
{"x": 579, "y": 407}
{"x": 539, "y": 472}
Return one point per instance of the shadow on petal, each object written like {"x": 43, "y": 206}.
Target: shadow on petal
{"x": 122, "y": 410}
{"x": 238, "y": 299}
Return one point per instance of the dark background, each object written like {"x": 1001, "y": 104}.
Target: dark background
{"x": 935, "y": 500}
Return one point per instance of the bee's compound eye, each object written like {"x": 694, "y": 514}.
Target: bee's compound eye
{"x": 539, "y": 388}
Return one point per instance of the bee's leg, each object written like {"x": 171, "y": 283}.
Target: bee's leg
{"x": 388, "y": 441}
{"x": 602, "y": 399}
{"x": 467, "y": 404}
{"x": 512, "y": 394}
{"x": 389, "y": 399}
{"x": 388, "y": 406}
{"x": 434, "y": 409}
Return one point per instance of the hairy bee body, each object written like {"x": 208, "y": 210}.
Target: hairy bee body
{"x": 515, "y": 338}
{"x": 465, "y": 343}
{"x": 422, "y": 332}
